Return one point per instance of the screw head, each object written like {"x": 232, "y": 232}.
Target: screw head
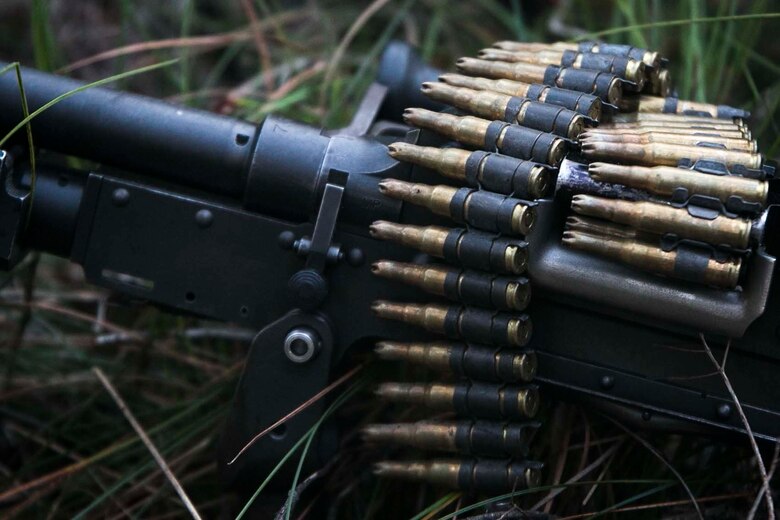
{"x": 286, "y": 239}
{"x": 607, "y": 382}
{"x": 724, "y": 411}
{"x": 301, "y": 345}
{"x": 120, "y": 197}
{"x": 355, "y": 257}
{"x": 646, "y": 416}
{"x": 204, "y": 218}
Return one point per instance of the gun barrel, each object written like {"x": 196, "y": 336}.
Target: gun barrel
{"x": 133, "y": 132}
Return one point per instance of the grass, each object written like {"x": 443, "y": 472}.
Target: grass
{"x": 74, "y": 444}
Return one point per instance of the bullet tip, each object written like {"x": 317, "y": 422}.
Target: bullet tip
{"x": 427, "y": 86}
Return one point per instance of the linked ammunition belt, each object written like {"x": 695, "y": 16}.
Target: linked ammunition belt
{"x": 671, "y": 186}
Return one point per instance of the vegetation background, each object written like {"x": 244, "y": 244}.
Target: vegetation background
{"x": 65, "y": 448}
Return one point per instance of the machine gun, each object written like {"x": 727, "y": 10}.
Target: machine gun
{"x": 284, "y": 228}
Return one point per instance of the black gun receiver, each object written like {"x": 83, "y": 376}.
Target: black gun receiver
{"x": 636, "y": 236}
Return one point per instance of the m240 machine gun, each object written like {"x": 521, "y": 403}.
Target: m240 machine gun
{"x": 639, "y": 220}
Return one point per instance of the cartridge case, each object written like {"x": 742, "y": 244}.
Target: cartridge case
{"x": 681, "y": 128}
{"x": 477, "y": 475}
{"x": 470, "y": 287}
{"x": 665, "y": 180}
{"x": 605, "y": 85}
{"x": 663, "y": 219}
{"x": 467, "y": 323}
{"x": 494, "y": 172}
{"x": 602, "y": 228}
{"x": 651, "y": 258}
{"x": 470, "y": 398}
{"x": 664, "y": 154}
{"x": 473, "y": 249}
{"x": 672, "y": 105}
{"x": 655, "y": 117}
{"x": 523, "y": 111}
{"x": 481, "y": 209}
{"x": 478, "y": 438}
{"x": 513, "y": 140}
{"x": 585, "y": 104}
{"x": 467, "y": 360}
{"x": 648, "y": 57}
{"x": 659, "y": 82}
{"x": 662, "y": 130}
{"x": 623, "y": 67}
{"x": 735, "y": 144}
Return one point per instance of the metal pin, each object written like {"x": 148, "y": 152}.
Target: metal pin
{"x": 478, "y": 438}
{"x": 481, "y": 209}
{"x": 469, "y": 287}
{"x": 662, "y": 219}
{"x": 664, "y": 154}
{"x": 487, "y": 476}
{"x": 472, "y": 249}
{"x": 665, "y": 180}
{"x": 499, "y": 173}
{"x": 468, "y": 323}
{"x": 532, "y": 114}
{"x": 651, "y": 258}
{"x": 512, "y": 140}
{"x": 582, "y": 103}
{"x": 466, "y": 360}
{"x": 485, "y": 400}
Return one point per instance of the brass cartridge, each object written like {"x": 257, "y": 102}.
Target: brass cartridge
{"x": 605, "y": 85}
{"x": 738, "y": 144}
{"x": 623, "y": 67}
{"x": 470, "y": 287}
{"x": 672, "y": 105}
{"x": 664, "y": 154}
{"x": 513, "y": 140}
{"x": 648, "y": 57}
{"x": 462, "y": 359}
{"x": 661, "y": 219}
{"x": 473, "y": 249}
{"x": 481, "y": 209}
{"x": 523, "y": 111}
{"x": 478, "y": 438}
{"x": 664, "y": 180}
{"x": 467, "y": 323}
{"x": 582, "y": 103}
{"x": 483, "y": 400}
{"x": 651, "y": 258}
{"x": 484, "y": 475}
{"x": 494, "y": 172}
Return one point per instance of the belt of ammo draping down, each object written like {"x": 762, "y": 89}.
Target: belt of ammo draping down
{"x": 655, "y": 182}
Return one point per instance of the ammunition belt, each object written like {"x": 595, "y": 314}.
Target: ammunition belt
{"x": 673, "y": 189}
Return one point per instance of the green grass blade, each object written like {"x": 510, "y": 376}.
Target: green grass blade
{"x": 82, "y": 88}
